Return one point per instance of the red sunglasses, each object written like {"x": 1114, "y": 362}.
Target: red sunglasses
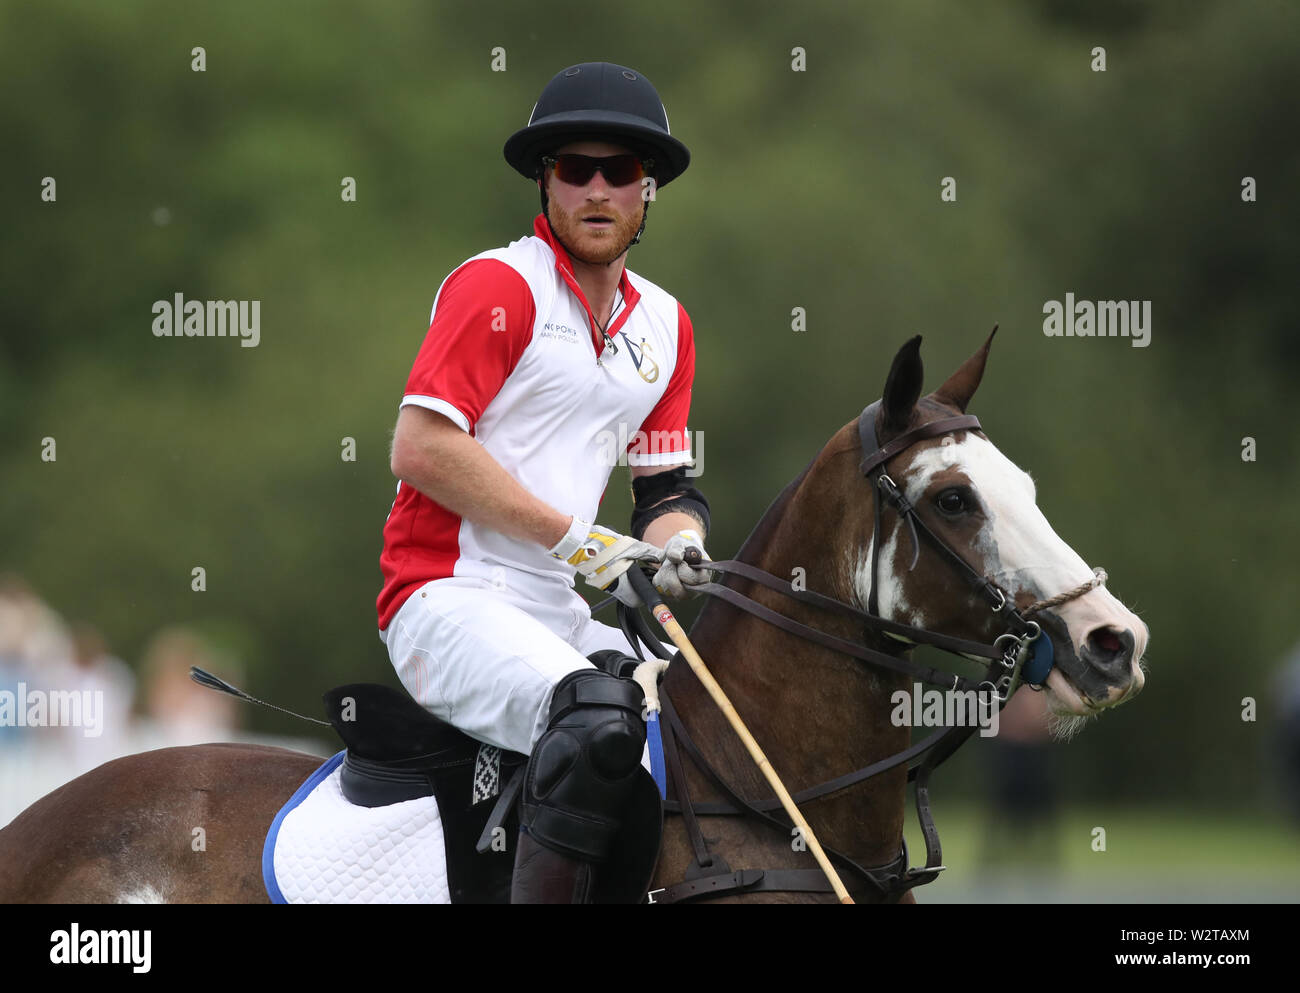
{"x": 618, "y": 170}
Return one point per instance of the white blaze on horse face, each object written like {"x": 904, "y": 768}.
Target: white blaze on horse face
{"x": 1017, "y": 547}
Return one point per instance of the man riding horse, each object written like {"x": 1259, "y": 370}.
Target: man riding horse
{"x": 537, "y": 355}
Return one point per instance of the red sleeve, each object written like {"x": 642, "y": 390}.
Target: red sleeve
{"x": 662, "y": 439}
{"x": 482, "y": 322}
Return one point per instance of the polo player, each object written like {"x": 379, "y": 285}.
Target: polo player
{"x": 537, "y": 354}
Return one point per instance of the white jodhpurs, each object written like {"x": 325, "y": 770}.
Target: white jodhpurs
{"x": 486, "y": 659}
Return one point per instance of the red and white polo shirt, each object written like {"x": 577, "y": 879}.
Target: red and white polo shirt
{"x": 515, "y": 358}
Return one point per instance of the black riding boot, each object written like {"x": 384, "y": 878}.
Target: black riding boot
{"x": 546, "y": 876}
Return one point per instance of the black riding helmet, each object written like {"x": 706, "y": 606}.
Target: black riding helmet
{"x": 599, "y": 100}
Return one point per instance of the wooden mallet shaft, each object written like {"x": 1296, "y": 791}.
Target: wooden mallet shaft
{"x": 650, "y": 596}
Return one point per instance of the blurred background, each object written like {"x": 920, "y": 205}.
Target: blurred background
{"x": 817, "y": 189}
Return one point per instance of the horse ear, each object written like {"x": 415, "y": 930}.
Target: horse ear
{"x": 903, "y": 387}
{"x": 962, "y": 384}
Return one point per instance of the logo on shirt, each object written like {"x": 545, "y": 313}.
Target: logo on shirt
{"x": 560, "y": 332}
{"x": 642, "y": 357}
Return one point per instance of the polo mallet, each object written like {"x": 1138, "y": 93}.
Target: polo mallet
{"x": 652, "y": 599}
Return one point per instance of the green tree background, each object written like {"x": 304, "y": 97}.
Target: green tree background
{"x": 815, "y": 189}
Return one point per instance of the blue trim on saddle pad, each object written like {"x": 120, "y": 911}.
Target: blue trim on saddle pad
{"x": 655, "y": 739}
{"x": 268, "y": 850}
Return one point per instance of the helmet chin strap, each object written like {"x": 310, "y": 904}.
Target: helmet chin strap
{"x": 636, "y": 238}
{"x": 645, "y": 212}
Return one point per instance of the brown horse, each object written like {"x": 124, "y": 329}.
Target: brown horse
{"x": 126, "y": 832}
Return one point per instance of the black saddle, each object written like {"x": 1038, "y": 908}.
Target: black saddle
{"x": 398, "y": 751}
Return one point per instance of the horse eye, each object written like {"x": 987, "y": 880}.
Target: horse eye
{"x": 952, "y": 502}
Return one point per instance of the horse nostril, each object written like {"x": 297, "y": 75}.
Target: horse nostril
{"x": 1105, "y": 640}
{"x": 1106, "y": 645}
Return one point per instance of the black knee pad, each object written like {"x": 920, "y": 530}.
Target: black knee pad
{"x": 583, "y": 768}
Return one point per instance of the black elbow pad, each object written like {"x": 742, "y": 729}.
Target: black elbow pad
{"x": 674, "y": 489}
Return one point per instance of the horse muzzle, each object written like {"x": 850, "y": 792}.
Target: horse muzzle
{"x": 1098, "y": 651}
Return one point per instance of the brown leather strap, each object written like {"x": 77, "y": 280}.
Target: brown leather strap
{"x": 881, "y": 455}
{"x": 707, "y": 808}
{"x": 677, "y": 781}
{"x": 924, "y": 673}
{"x": 750, "y": 881}
{"x": 959, "y": 646}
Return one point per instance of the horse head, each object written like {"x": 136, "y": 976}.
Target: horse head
{"x": 983, "y": 507}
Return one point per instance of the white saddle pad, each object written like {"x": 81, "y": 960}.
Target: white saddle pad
{"x": 323, "y": 849}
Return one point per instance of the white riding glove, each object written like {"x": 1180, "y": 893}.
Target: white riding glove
{"x": 601, "y": 556}
{"x": 675, "y": 575}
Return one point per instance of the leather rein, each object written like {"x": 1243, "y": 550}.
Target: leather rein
{"x": 709, "y": 875}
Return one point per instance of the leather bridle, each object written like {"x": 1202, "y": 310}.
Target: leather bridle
{"x": 1008, "y": 659}
{"x": 887, "y": 491}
